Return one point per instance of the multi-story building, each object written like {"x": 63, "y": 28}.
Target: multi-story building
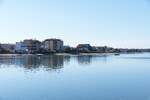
{"x": 28, "y": 46}
{"x": 84, "y": 47}
{"x": 53, "y": 45}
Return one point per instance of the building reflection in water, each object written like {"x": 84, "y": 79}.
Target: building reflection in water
{"x": 46, "y": 62}
{"x": 88, "y": 59}
{"x": 84, "y": 59}
{"x": 32, "y": 62}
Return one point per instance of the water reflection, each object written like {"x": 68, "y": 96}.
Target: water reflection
{"x": 48, "y": 62}
{"x": 119, "y": 79}
{"x": 34, "y": 62}
{"x": 84, "y": 59}
{"x": 88, "y": 59}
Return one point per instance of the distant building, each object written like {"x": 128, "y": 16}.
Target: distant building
{"x": 7, "y": 48}
{"x": 0, "y": 48}
{"x": 84, "y": 47}
{"x": 66, "y": 47}
{"x": 28, "y": 46}
{"x": 53, "y": 45}
{"x": 101, "y": 49}
{"x": 105, "y": 49}
{"x": 20, "y": 47}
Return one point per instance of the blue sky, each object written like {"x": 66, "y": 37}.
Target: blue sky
{"x": 117, "y": 23}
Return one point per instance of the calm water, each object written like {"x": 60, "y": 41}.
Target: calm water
{"x": 28, "y": 77}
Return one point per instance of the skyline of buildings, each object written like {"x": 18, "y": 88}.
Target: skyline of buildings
{"x": 53, "y": 45}
{"x": 36, "y": 46}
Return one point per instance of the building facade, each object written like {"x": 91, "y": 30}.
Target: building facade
{"x": 84, "y": 47}
{"x": 53, "y": 45}
{"x": 28, "y": 46}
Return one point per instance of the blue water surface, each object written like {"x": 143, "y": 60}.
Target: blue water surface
{"x": 67, "y": 77}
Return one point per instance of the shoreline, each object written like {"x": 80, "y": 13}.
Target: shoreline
{"x": 78, "y": 54}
